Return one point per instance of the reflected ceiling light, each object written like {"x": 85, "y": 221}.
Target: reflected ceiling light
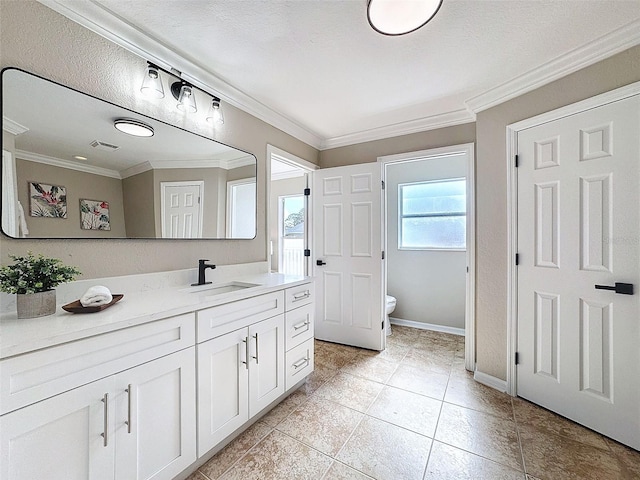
{"x": 152, "y": 84}
{"x": 399, "y": 17}
{"x": 215, "y": 112}
{"x": 79, "y": 157}
{"x": 183, "y": 92}
{"x": 133, "y": 127}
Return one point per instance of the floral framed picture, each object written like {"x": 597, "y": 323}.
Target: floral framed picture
{"x": 94, "y": 215}
{"x": 47, "y": 200}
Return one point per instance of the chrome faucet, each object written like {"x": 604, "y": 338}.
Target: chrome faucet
{"x": 201, "y": 268}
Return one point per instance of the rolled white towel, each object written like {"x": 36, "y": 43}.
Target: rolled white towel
{"x": 96, "y": 296}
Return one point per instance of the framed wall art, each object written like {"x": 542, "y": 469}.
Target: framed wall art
{"x": 47, "y": 200}
{"x": 94, "y": 215}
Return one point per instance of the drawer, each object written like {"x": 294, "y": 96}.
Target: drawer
{"x": 29, "y": 378}
{"x": 299, "y": 325}
{"x": 298, "y": 296}
{"x": 299, "y": 363}
{"x": 216, "y": 321}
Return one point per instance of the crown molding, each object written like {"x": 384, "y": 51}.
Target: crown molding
{"x": 58, "y": 162}
{"x": 578, "y": 58}
{"x": 12, "y": 127}
{"x": 135, "y": 170}
{"x": 448, "y": 119}
{"x": 107, "y": 24}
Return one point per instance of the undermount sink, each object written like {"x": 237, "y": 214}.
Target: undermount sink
{"x": 219, "y": 288}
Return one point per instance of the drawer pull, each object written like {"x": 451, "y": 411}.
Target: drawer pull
{"x": 256, "y": 357}
{"x": 128, "y": 422}
{"x": 246, "y": 352}
{"x": 301, "y": 296}
{"x": 300, "y": 363}
{"x": 105, "y": 434}
{"x": 302, "y": 325}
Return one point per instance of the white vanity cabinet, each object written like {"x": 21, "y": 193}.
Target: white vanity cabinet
{"x": 299, "y": 333}
{"x": 137, "y": 423}
{"x": 242, "y": 372}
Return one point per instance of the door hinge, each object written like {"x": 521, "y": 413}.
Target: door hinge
{"x": 307, "y": 192}
{"x": 382, "y": 325}
{"x": 517, "y": 161}
{"x": 383, "y": 184}
{"x": 383, "y": 255}
{"x": 198, "y": 200}
{"x": 517, "y": 259}
{"x": 307, "y": 252}
{"x": 517, "y": 358}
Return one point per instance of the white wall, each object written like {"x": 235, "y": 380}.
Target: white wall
{"x": 428, "y": 285}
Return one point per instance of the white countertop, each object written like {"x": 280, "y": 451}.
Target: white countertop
{"x": 19, "y": 336}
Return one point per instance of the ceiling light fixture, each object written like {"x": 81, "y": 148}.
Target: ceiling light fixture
{"x": 215, "y": 113}
{"x": 152, "y": 84}
{"x": 399, "y": 17}
{"x": 133, "y": 127}
{"x": 183, "y": 92}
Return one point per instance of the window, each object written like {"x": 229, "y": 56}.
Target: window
{"x": 432, "y": 215}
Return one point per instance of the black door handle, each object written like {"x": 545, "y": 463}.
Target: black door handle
{"x": 621, "y": 288}
{"x": 320, "y": 263}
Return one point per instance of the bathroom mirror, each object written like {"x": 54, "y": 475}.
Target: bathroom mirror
{"x": 68, "y": 172}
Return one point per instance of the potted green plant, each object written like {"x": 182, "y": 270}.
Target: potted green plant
{"x": 33, "y": 279}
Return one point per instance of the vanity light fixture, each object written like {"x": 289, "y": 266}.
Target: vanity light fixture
{"x": 215, "y": 112}
{"x": 133, "y": 127}
{"x": 152, "y": 83}
{"x": 181, "y": 90}
{"x": 399, "y": 17}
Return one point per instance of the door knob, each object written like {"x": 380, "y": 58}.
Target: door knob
{"x": 621, "y": 288}
{"x": 320, "y": 263}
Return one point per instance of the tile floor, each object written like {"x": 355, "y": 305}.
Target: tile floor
{"x": 412, "y": 412}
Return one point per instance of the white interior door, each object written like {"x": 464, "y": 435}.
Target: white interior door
{"x": 347, "y": 238}
{"x": 181, "y": 209}
{"x": 578, "y": 227}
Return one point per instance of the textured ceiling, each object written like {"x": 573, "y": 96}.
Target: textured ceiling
{"x": 320, "y": 66}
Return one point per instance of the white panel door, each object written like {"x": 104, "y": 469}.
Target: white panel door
{"x": 182, "y": 209}
{"x": 155, "y": 418}
{"x": 61, "y": 438}
{"x": 578, "y": 227}
{"x": 266, "y": 363}
{"x": 223, "y": 379}
{"x": 348, "y": 271}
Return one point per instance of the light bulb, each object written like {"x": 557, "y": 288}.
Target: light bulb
{"x": 152, "y": 84}
{"x": 215, "y": 114}
{"x": 186, "y": 99}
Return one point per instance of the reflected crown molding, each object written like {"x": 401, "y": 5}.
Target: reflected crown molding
{"x": 12, "y": 127}
{"x": 59, "y": 162}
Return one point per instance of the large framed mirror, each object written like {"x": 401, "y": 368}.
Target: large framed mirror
{"x": 69, "y": 172}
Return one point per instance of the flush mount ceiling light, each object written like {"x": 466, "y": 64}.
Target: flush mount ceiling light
{"x": 215, "y": 113}
{"x": 399, "y": 17}
{"x": 152, "y": 84}
{"x": 133, "y": 127}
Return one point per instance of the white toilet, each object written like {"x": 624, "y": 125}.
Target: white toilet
{"x": 390, "y": 307}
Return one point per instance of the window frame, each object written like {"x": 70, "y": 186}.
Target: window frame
{"x": 401, "y": 216}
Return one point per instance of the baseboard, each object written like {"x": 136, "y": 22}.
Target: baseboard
{"x": 427, "y": 326}
{"x": 490, "y": 381}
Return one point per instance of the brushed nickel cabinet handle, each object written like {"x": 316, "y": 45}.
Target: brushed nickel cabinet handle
{"x": 256, "y": 357}
{"x": 246, "y": 352}
{"x": 105, "y": 434}
{"x": 128, "y": 422}
{"x": 302, "y": 325}
{"x": 300, "y": 296}
{"x": 300, "y": 363}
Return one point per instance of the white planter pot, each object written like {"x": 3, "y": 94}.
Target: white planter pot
{"x": 31, "y": 305}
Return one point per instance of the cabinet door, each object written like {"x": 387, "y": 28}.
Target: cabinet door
{"x": 266, "y": 365}
{"x": 61, "y": 438}
{"x": 155, "y": 419}
{"x": 222, "y": 388}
